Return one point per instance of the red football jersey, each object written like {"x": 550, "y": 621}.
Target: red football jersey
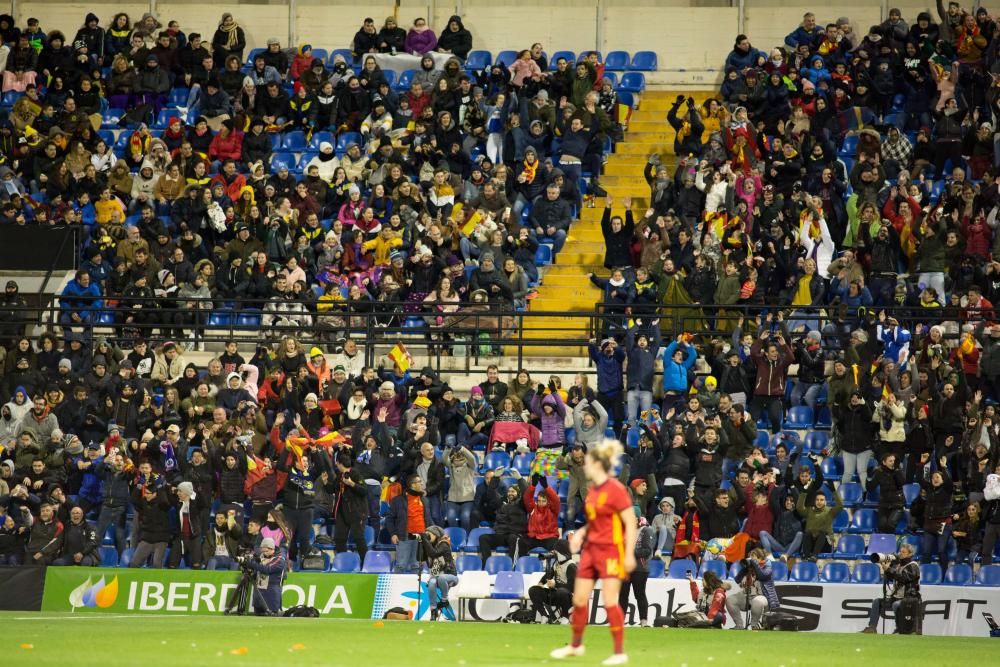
{"x": 604, "y": 506}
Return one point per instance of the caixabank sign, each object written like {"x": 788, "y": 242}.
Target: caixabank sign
{"x": 96, "y": 590}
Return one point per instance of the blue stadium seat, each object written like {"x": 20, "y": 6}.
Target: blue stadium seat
{"x": 914, "y": 541}
{"x": 816, "y": 441}
{"x": 625, "y": 97}
{"x": 319, "y": 137}
{"x": 506, "y": 57}
{"x": 286, "y": 160}
{"x": 508, "y": 586}
{"x": 988, "y": 575}
{"x": 958, "y": 574}
{"x": 824, "y": 420}
{"x": 346, "y": 138}
{"x": 866, "y": 572}
{"x": 643, "y": 61}
{"x": 320, "y": 54}
{"x": 930, "y": 574}
{"x": 177, "y": 97}
{"x": 468, "y": 562}
{"x": 716, "y": 566}
{"x": 457, "y": 536}
{"x": 617, "y": 61}
{"x": 110, "y": 118}
{"x": 499, "y": 563}
{"x": 568, "y": 55}
{"x": 390, "y": 78}
{"x": 294, "y": 141}
{"x": 543, "y": 256}
{"x": 851, "y": 494}
{"x": 656, "y": 568}
{"x": 800, "y": 417}
{"x": 496, "y": 459}
{"x": 779, "y": 570}
{"x": 126, "y": 558}
{"x": 344, "y": 53}
{"x": 680, "y": 568}
{"x": 528, "y": 565}
{"x": 633, "y": 82}
{"x": 910, "y": 493}
{"x": 522, "y": 463}
{"x": 377, "y": 562}
{"x": 472, "y": 541}
{"x": 220, "y": 318}
{"x": 835, "y": 573}
{"x": 898, "y": 103}
{"x": 405, "y": 79}
{"x": 881, "y": 543}
{"x": 249, "y": 318}
{"x": 833, "y": 468}
{"x": 871, "y": 498}
{"x": 804, "y": 572}
{"x": 478, "y": 60}
{"x": 583, "y": 55}
{"x": 109, "y": 556}
{"x": 9, "y": 98}
{"x": 850, "y": 146}
{"x": 863, "y": 521}
{"x": 841, "y": 521}
{"x": 253, "y": 54}
{"x": 849, "y": 546}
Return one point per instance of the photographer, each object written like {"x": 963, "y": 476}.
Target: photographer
{"x": 270, "y": 572}
{"x": 756, "y": 591}
{"x": 443, "y": 574}
{"x": 552, "y": 597}
{"x": 902, "y": 576}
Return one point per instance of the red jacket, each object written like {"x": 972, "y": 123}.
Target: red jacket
{"x": 543, "y": 522}
{"x": 717, "y": 606}
{"x": 233, "y": 188}
{"x": 230, "y": 147}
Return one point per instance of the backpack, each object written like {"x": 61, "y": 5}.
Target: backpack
{"x": 301, "y": 611}
{"x": 780, "y": 620}
{"x": 313, "y": 561}
{"x": 908, "y": 616}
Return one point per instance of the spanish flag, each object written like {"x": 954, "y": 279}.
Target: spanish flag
{"x": 299, "y": 445}
{"x": 400, "y": 357}
{"x": 967, "y": 346}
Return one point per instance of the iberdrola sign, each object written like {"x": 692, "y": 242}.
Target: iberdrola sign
{"x": 90, "y": 590}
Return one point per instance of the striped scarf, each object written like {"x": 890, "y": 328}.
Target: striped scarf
{"x": 529, "y": 171}
{"x": 688, "y": 522}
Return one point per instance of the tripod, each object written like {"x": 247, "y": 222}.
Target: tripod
{"x": 243, "y": 594}
{"x": 747, "y": 592}
{"x": 886, "y": 602}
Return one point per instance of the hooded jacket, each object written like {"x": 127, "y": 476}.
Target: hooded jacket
{"x": 543, "y": 522}
{"x": 458, "y": 42}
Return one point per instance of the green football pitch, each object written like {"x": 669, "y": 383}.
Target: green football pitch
{"x": 150, "y": 641}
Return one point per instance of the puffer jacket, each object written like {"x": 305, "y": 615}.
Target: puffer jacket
{"x": 855, "y": 428}
{"x": 553, "y": 426}
{"x": 543, "y": 523}
{"x": 764, "y": 579}
{"x": 890, "y": 485}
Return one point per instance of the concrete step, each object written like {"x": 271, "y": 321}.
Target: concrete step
{"x": 568, "y": 270}
{"x": 643, "y": 149}
{"x": 662, "y": 100}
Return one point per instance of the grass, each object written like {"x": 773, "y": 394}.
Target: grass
{"x": 66, "y": 639}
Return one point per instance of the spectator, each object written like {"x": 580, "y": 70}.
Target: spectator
{"x": 818, "y": 534}
{"x": 543, "y": 514}
{"x": 408, "y": 515}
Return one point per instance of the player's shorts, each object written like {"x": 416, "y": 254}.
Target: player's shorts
{"x": 601, "y": 562}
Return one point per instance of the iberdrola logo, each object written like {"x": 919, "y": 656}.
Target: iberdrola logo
{"x": 90, "y": 594}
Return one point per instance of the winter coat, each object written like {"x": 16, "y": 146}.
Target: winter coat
{"x": 553, "y": 425}
{"x": 770, "y": 376}
{"x": 609, "y": 369}
{"x": 855, "y": 428}
{"x": 543, "y": 523}
{"x": 675, "y": 375}
{"x": 463, "y": 475}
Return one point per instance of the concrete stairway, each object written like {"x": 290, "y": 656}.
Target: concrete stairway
{"x": 565, "y": 285}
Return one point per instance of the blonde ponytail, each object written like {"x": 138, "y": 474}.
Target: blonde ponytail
{"x": 607, "y": 452}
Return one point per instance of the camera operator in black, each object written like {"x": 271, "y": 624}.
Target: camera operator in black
{"x": 270, "y": 573}
{"x": 552, "y": 597}
{"x": 889, "y": 479}
{"x": 756, "y": 581}
{"x": 902, "y": 577}
{"x": 351, "y": 507}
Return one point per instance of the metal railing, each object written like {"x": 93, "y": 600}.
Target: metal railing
{"x": 472, "y": 333}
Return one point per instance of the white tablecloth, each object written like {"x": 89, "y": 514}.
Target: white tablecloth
{"x": 403, "y": 61}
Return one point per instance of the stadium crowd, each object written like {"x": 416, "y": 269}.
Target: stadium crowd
{"x": 832, "y": 210}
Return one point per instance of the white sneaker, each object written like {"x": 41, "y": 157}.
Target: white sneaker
{"x": 616, "y": 659}
{"x": 644, "y": 623}
{"x": 567, "y": 651}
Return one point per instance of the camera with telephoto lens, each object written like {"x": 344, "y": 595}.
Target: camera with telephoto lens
{"x": 887, "y": 562}
{"x": 246, "y": 561}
